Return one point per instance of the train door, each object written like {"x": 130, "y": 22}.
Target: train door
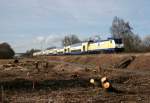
{"x": 110, "y": 44}
{"x": 68, "y": 50}
{"x": 83, "y": 48}
{"x": 65, "y": 51}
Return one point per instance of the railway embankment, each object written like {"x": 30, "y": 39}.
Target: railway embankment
{"x": 140, "y": 61}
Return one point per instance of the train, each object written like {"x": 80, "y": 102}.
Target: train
{"x": 109, "y": 45}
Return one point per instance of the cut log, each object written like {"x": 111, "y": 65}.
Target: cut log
{"x": 103, "y": 79}
{"x": 92, "y": 81}
{"x": 125, "y": 62}
{"x": 106, "y": 85}
{"x": 100, "y": 82}
{"x": 16, "y": 61}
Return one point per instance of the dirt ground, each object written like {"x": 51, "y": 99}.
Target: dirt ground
{"x": 65, "y": 79}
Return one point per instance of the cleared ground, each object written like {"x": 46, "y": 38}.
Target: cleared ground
{"x": 65, "y": 79}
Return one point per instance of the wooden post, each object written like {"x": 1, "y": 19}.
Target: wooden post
{"x": 2, "y": 91}
{"x": 37, "y": 66}
{"x": 33, "y": 84}
{"x": 99, "y": 69}
{"x": 28, "y": 75}
{"x": 46, "y": 66}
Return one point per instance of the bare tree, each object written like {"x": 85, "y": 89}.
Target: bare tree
{"x": 69, "y": 40}
{"x": 122, "y": 29}
{"x": 146, "y": 43}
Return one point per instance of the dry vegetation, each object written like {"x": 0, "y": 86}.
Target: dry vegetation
{"x": 62, "y": 79}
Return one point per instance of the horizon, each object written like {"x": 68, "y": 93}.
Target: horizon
{"x": 27, "y": 24}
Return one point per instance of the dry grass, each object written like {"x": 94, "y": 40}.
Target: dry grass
{"x": 57, "y": 83}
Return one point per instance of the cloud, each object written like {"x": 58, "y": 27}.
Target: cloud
{"x": 39, "y": 42}
{"x": 48, "y": 40}
{"x": 39, "y": 39}
{"x": 54, "y": 39}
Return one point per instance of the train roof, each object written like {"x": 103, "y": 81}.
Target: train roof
{"x": 60, "y": 48}
{"x": 77, "y": 44}
{"x": 106, "y": 40}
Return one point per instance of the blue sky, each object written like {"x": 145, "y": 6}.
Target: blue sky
{"x": 27, "y": 24}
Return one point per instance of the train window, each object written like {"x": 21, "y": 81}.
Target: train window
{"x": 118, "y": 41}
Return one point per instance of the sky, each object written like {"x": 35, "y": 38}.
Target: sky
{"x": 27, "y": 24}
